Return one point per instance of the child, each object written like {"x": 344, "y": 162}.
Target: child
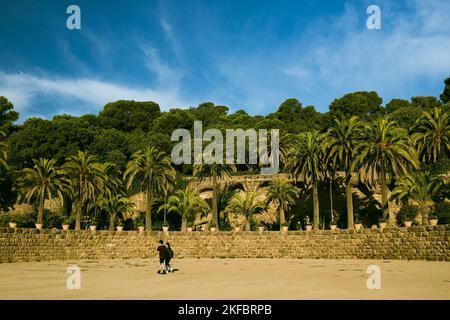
{"x": 163, "y": 254}
{"x": 168, "y": 258}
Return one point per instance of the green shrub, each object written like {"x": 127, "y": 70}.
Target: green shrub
{"x": 442, "y": 212}
{"x": 407, "y": 213}
{"x": 52, "y": 220}
{"x": 28, "y": 220}
{"x": 4, "y": 219}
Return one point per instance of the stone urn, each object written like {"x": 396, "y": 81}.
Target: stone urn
{"x": 261, "y": 229}
{"x": 284, "y": 228}
{"x": 433, "y": 222}
{"x": 237, "y": 229}
{"x": 165, "y": 229}
{"x": 119, "y": 228}
{"x": 189, "y": 229}
{"x": 358, "y": 226}
{"x": 213, "y": 229}
{"x": 141, "y": 228}
{"x": 38, "y": 226}
{"x": 333, "y": 227}
{"x": 12, "y": 225}
{"x": 65, "y": 227}
{"x": 93, "y": 228}
{"x": 374, "y": 226}
{"x": 382, "y": 225}
{"x": 407, "y": 223}
{"x": 308, "y": 227}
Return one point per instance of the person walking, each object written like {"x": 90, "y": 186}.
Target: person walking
{"x": 168, "y": 257}
{"x": 163, "y": 254}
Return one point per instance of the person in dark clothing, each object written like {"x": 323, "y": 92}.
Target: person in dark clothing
{"x": 168, "y": 257}
{"x": 163, "y": 254}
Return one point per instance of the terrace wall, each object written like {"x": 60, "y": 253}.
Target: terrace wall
{"x": 414, "y": 243}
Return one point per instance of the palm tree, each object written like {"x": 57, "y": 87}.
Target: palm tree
{"x": 40, "y": 182}
{"x": 115, "y": 205}
{"x": 385, "y": 151}
{"x": 86, "y": 179}
{"x": 185, "y": 202}
{"x": 225, "y": 192}
{"x": 3, "y": 150}
{"x": 151, "y": 169}
{"x": 432, "y": 135}
{"x": 283, "y": 194}
{"x": 341, "y": 142}
{"x": 246, "y": 204}
{"x": 419, "y": 187}
{"x": 305, "y": 161}
{"x": 216, "y": 172}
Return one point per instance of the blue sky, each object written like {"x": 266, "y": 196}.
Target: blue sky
{"x": 246, "y": 54}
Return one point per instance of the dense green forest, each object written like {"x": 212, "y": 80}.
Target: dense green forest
{"x": 406, "y": 140}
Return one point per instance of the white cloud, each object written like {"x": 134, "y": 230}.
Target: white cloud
{"x": 330, "y": 56}
{"x": 23, "y": 88}
{"x": 410, "y": 49}
{"x": 166, "y": 75}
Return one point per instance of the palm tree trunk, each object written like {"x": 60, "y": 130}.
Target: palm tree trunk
{"x": 148, "y": 210}
{"x": 424, "y": 213}
{"x": 215, "y": 218}
{"x": 79, "y": 205}
{"x": 349, "y": 196}
{"x": 316, "y": 206}
{"x": 384, "y": 195}
{"x": 111, "y": 222}
{"x": 183, "y": 222}
{"x": 41, "y": 208}
{"x": 247, "y": 224}
{"x": 78, "y": 216}
{"x": 282, "y": 217}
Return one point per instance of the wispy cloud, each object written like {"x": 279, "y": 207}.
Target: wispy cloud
{"x": 253, "y": 61}
{"x": 336, "y": 55}
{"x": 22, "y": 89}
{"x": 165, "y": 74}
{"x": 409, "y": 48}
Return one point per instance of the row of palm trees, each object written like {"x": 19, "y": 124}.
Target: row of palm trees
{"x": 376, "y": 152}
{"x": 92, "y": 185}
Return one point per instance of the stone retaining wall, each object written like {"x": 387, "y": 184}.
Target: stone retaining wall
{"x": 414, "y": 243}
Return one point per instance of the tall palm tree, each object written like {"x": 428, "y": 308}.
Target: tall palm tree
{"x": 40, "y": 182}
{"x": 116, "y": 205}
{"x": 283, "y": 194}
{"x": 3, "y": 150}
{"x": 386, "y": 151}
{"x": 86, "y": 179}
{"x": 432, "y": 135}
{"x": 341, "y": 142}
{"x": 151, "y": 170}
{"x": 186, "y": 203}
{"x": 246, "y": 204}
{"x": 419, "y": 187}
{"x": 225, "y": 192}
{"x": 215, "y": 172}
{"x": 306, "y": 161}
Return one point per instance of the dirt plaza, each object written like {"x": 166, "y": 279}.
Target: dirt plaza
{"x": 226, "y": 279}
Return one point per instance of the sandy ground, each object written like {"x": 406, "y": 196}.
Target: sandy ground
{"x": 227, "y": 279}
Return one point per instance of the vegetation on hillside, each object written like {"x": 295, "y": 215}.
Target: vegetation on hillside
{"x": 96, "y": 163}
